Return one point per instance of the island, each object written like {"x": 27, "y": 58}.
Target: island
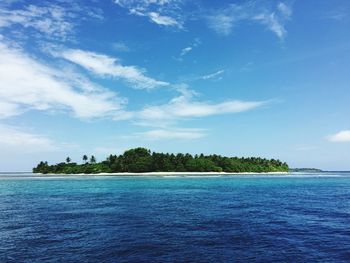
{"x": 305, "y": 170}
{"x": 141, "y": 160}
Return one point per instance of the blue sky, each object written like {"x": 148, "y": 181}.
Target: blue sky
{"x": 237, "y": 78}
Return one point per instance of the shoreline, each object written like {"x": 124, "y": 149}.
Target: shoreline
{"x": 164, "y": 174}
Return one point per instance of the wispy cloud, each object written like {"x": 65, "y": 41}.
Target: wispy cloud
{"x": 337, "y": 14}
{"x": 188, "y": 49}
{"x": 222, "y": 21}
{"x": 274, "y": 18}
{"x": 284, "y": 9}
{"x": 50, "y": 21}
{"x": 163, "y": 20}
{"x": 9, "y": 109}
{"x": 182, "y": 108}
{"x": 12, "y": 137}
{"x": 271, "y": 21}
{"x": 120, "y": 47}
{"x": 28, "y": 84}
{"x": 213, "y": 75}
{"x": 185, "y": 106}
{"x": 161, "y": 12}
{"x": 185, "y": 50}
{"x": 342, "y": 136}
{"x": 104, "y": 65}
{"x": 170, "y": 13}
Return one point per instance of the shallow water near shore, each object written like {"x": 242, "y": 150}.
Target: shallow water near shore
{"x": 240, "y": 218}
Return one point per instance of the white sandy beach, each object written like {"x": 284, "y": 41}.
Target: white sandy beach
{"x": 172, "y": 174}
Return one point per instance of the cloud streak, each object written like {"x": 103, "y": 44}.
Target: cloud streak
{"x": 273, "y": 18}
{"x": 342, "y": 136}
{"x": 160, "y": 12}
{"x": 163, "y": 20}
{"x": 50, "y": 21}
{"x": 212, "y": 75}
{"x": 12, "y": 137}
{"x": 103, "y": 65}
{"x": 27, "y": 84}
{"x": 185, "y": 51}
{"x": 188, "y": 49}
{"x": 185, "y": 106}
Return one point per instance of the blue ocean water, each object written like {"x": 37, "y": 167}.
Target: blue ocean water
{"x": 299, "y": 218}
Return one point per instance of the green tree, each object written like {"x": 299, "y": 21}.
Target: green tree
{"x": 141, "y": 160}
{"x": 92, "y": 159}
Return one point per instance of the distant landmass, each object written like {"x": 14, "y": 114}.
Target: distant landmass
{"x": 305, "y": 170}
{"x": 141, "y": 160}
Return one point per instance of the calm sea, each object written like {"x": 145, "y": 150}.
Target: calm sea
{"x": 299, "y": 218}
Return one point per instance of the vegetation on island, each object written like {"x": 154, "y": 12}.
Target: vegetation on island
{"x": 143, "y": 160}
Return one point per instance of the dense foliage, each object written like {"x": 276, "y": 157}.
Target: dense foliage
{"x": 142, "y": 160}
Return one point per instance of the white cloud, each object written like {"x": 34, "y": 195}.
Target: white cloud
{"x": 170, "y": 13}
{"x": 167, "y": 134}
{"x": 27, "y": 84}
{"x": 184, "y": 106}
{"x": 161, "y": 12}
{"x": 8, "y": 109}
{"x": 213, "y": 75}
{"x": 185, "y": 50}
{"x": 12, "y": 137}
{"x": 223, "y": 21}
{"x": 104, "y": 65}
{"x": 141, "y": 3}
{"x": 337, "y": 14}
{"x": 196, "y": 42}
{"x": 50, "y": 21}
{"x": 120, "y": 47}
{"x": 342, "y": 136}
{"x": 163, "y": 20}
{"x": 272, "y": 23}
{"x": 285, "y": 9}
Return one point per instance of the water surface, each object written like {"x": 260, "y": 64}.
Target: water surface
{"x": 298, "y": 218}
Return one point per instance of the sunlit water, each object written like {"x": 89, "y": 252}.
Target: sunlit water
{"x": 299, "y": 218}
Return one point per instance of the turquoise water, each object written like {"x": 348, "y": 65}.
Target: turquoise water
{"x": 299, "y": 218}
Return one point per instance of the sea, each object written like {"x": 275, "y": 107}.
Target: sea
{"x": 224, "y": 218}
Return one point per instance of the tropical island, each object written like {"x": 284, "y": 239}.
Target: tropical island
{"x": 141, "y": 160}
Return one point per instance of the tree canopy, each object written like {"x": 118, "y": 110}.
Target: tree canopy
{"x": 143, "y": 160}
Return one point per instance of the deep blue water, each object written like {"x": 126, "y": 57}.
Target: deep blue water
{"x": 176, "y": 219}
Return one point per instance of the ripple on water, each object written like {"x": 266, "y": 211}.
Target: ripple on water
{"x": 199, "y": 219}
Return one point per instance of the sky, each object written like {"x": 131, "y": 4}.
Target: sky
{"x": 236, "y": 78}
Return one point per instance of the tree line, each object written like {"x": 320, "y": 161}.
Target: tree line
{"x": 143, "y": 160}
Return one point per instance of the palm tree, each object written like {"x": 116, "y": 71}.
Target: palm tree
{"x": 85, "y": 158}
{"x": 92, "y": 159}
{"x": 68, "y": 160}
